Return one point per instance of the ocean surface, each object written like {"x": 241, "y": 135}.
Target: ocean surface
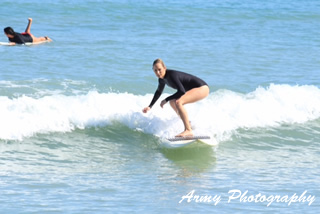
{"x": 73, "y": 138}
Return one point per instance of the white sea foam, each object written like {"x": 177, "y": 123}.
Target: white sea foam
{"x": 220, "y": 114}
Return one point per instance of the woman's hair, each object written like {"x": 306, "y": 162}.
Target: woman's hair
{"x": 9, "y": 30}
{"x": 158, "y": 61}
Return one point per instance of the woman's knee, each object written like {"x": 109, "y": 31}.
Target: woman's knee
{"x": 206, "y": 90}
{"x": 179, "y": 102}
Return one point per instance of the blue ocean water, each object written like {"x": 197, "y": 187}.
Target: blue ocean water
{"x": 73, "y": 138}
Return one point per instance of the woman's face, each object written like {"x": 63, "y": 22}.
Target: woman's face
{"x": 159, "y": 70}
{"x": 9, "y": 35}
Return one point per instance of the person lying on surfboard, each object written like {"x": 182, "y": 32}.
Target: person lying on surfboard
{"x": 190, "y": 89}
{"x": 22, "y": 38}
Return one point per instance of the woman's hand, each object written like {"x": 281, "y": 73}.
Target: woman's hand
{"x": 163, "y": 102}
{"x": 146, "y": 109}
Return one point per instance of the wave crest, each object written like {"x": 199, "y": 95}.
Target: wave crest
{"x": 220, "y": 114}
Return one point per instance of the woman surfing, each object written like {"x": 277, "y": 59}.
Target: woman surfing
{"x": 25, "y": 37}
{"x": 190, "y": 89}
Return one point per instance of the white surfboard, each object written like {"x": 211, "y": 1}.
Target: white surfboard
{"x": 178, "y": 142}
{"x": 4, "y": 43}
{"x": 27, "y": 43}
{"x": 37, "y": 43}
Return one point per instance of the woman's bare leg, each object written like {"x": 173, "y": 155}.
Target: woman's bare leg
{"x": 35, "y": 39}
{"x": 28, "y": 26}
{"x": 191, "y": 96}
{"x": 174, "y": 106}
{"x": 40, "y": 39}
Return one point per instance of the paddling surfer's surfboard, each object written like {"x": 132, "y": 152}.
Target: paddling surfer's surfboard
{"x": 27, "y": 44}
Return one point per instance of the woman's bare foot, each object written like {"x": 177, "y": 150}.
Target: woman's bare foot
{"x": 48, "y": 39}
{"x": 186, "y": 133}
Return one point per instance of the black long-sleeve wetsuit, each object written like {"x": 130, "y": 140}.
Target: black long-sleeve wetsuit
{"x": 21, "y": 38}
{"x": 181, "y": 81}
